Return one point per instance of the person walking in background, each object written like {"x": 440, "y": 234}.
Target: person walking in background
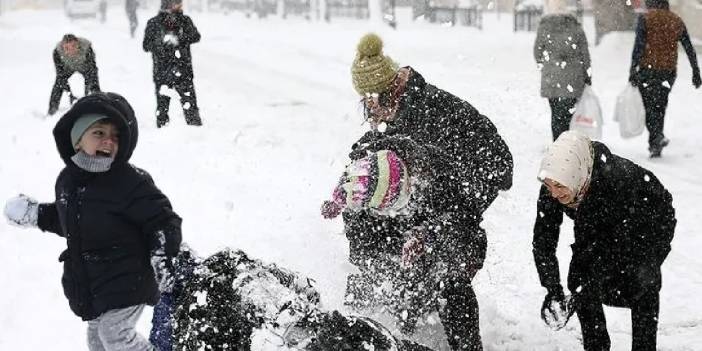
{"x": 131, "y": 7}
{"x": 624, "y": 222}
{"x": 168, "y": 37}
{"x": 654, "y": 65}
{"x": 561, "y": 51}
{"x": 73, "y": 54}
{"x": 116, "y": 222}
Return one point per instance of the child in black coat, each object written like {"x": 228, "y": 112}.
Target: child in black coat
{"x": 115, "y": 220}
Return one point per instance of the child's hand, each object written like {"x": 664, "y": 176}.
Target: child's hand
{"x": 22, "y": 211}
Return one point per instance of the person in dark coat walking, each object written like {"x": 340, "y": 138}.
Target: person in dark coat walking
{"x": 654, "y": 65}
{"x": 168, "y": 37}
{"x": 624, "y": 222}
{"x": 562, "y": 53}
{"x": 73, "y": 54}
{"x": 232, "y": 299}
{"x": 116, "y": 222}
{"x": 410, "y": 225}
{"x": 131, "y": 8}
{"x": 401, "y": 102}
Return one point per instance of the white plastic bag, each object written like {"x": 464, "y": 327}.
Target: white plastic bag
{"x": 587, "y": 118}
{"x": 630, "y": 112}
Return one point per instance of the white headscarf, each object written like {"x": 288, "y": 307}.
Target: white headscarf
{"x": 568, "y": 161}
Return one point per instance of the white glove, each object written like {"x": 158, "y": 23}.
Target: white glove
{"x": 171, "y": 39}
{"x": 22, "y": 211}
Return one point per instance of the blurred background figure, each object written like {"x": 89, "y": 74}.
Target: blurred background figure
{"x": 654, "y": 64}
{"x": 168, "y": 37}
{"x": 131, "y": 7}
{"x": 73, "y": 54}
{"x": 562, "y": 53}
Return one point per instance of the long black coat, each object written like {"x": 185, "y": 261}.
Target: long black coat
{"x": 172, "y": 63}
{"x": 109, "y": 219}
{"x": 438, "y": 205}
{"x": 431, "y": 116}
{"x": 623, "y": 229}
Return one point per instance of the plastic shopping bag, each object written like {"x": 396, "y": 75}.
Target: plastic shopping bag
{"x": 630, "y": 112}
{"x": 587, "y": 118}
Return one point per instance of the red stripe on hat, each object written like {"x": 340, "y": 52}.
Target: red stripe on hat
{"x": 395, "y": 167}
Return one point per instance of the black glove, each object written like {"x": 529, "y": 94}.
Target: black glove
{"x": 696, "y": 80}
{"x": 556, "y": 309}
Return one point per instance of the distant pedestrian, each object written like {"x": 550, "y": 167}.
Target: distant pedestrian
{"x": 168, "y": 38}
{"x": 561, "y": 50}
{"x": 654, "y": 65}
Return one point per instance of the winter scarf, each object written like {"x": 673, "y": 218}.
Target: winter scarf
{"x": 93, "y": 164}
{"x": 569, "y": 161}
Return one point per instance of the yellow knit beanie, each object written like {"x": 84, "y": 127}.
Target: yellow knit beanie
{"x": 372, "y": 72}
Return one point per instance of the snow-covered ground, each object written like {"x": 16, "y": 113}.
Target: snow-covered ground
{"x": 280, "y": 114}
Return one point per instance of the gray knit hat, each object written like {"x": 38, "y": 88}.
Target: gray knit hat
{"x": 82, "y": 124}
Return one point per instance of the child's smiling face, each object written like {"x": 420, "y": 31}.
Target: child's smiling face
{"x": 101, "y": 139}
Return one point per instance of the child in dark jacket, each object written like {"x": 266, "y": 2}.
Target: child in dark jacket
{"x": 414, "y": 233}
{"x": 115, "y": 220}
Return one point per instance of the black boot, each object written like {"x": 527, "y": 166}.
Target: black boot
{"x": 657, "y": 146}
{"x": 192, "y": 117}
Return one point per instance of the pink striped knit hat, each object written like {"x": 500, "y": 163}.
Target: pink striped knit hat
{"x": 379, "y": 181}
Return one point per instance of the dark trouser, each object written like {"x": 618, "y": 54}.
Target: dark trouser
{"x": 460, "y": 315}
{"x": 655, "y": 87}
{"x": 61, "y": 84}
{"x": 644, "y": 321}
{"x": 562, "y": 110}
{"x": 188, "y": 100}
{"x": 413, "y": 296}
{"x": 133, "y": 21}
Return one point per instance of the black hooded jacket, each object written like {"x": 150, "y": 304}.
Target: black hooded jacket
{"x": 110, "y": 220}
{"x": 172, "y": 63}
{"x": 439, "y": 206}
{"x": 623, "y": 229}
{"x": 431, "y": 116}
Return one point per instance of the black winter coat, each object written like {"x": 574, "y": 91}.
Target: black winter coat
{"x": 110, "y": 220}
{"x": 431, "y": 116}
{"x": 623, "y": 229}
{"x": 172, "y": 63}
{"x": 438, "y": 206}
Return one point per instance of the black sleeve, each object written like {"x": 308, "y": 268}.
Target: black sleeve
{"x": 90, "y": 58}
{"x": 151, "y": 211}
{"x": 58, "y": 64}
{"x": 584, "y": 50}
{"x": 549, "y": 217}
{"x": 190, "y": 33}
{"x": 151, "y": 39}
{"x": 48, "y": 220}
{"x": 639, "y": 45}
{"x": 539, "y": 44}
{"x": 689, "y": 50}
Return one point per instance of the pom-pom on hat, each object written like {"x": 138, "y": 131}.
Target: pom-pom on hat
{"x": 379, "y": 182}
{"x": 371, "y": 71}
